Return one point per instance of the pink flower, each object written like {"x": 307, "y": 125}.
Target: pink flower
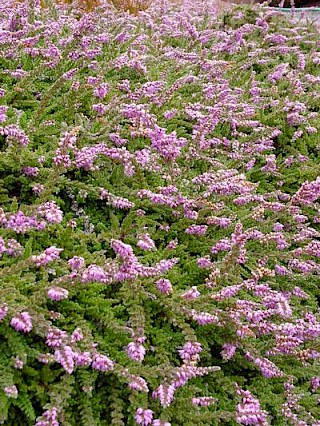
{"x": 146, "y": 242}
{"x": 99, "y": 108}
{"x": 95, "y": 273}
{"x": 268, "y": 368}
{"x": 11, "y": 391}
{"x": 57, "y": 293}
{"x": 196, "y": 229}
{"x": 76, "y": 263}
{"x": 138, "y": 383}
{"x": 18, "y": 363}
{"x": 164, "y": 286}
{"x": 204, "y": 318}
{"x": 55, "y": 337}
{"x": 190, "y": 351}
{"x": 30, "y": 171}
{"x": 204, "y": 401}
{"x": 51, "y": 212}
{"x": 21, "y": 223}
{"x": 76, "y": 336}
{"x": 204, "y": 262}
{"x": 172, "y": 244}
{"x": 49, "y": 418}
{"x": 193, "y": 293}
{"x": 22, "y": 322}
{"x": 135, "y": 351}
{"x": 37, "y": 188}
{"x": 13, "y": 248}
{"x": 169, "y": 114}
{"x": 102, "y": 362}
{"x": 65, "y": 356}
{"x": 165, "y": 264}
{"x": 83, "y": 359}
{"x": 13, "y": 132}
{"x": 102, "y": 90}
{"x": 249, "y": 411}
{"x": 315, "y": 383}
{"x": 123, "y": 250}
{"x": 168, "y": 146}
{"x": 228, "y": 351}
{"x": 121, "y": 203}
{"x": 3, "y": 311}
{"x": 165, "y": 394}
{"x": 50, "y": 254}
{"x": 143, "y": 417}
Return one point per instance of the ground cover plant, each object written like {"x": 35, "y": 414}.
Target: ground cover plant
{"x": 159, "y": 190}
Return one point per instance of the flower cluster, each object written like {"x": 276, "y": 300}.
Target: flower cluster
{"x": 160, "y": 209}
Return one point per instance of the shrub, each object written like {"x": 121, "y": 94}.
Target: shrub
{"x": 160, "y": 218}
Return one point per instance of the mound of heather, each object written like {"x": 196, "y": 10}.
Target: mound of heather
{"x": 159, "y": 217}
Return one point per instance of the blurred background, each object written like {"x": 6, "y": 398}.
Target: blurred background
{"x": 144, "y": 4}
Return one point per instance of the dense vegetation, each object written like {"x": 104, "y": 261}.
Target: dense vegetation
{"x": 160, "y": 217}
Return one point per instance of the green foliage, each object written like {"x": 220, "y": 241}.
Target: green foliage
{"x": 47, "y": 105}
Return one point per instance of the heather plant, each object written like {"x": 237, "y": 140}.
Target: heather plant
{"x": 159, "y": 217}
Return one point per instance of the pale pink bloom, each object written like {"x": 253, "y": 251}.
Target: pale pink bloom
{"x": 22, "y": 322}
{"x": 121, "y": 249}
{"x": 76, "y": 263}
{"x": 18, "y": 363}
{"x": 37, "y": 188}
{"x": 83, "y": 359}
{"x": 65, "y": 356}
{"x": 138, "y": 383}
{"x": 190, "y": 351}
{"x": 57, "y": 293}
{"x": 135, "y": 351}
{"x": 51, "y": 212}
{"x": 143, "y": 417}
{"x": 193, "y": 293}
{"x": 164, "y": 285}
{"x": 165, "y": 394}
{"x": 50, "y": 254}
{"x": 146, "y": 242}
{"x": 102, "y": 362}
{"x": 11, "y": 391}
{"x": 204, "y": 401}
{"x": 102, "y": 90}
{"x": 95, "y": 273}
{"x": 76, "y": 336}
{"x": 55, "y": 337}
{"x": 3, "y": 311}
